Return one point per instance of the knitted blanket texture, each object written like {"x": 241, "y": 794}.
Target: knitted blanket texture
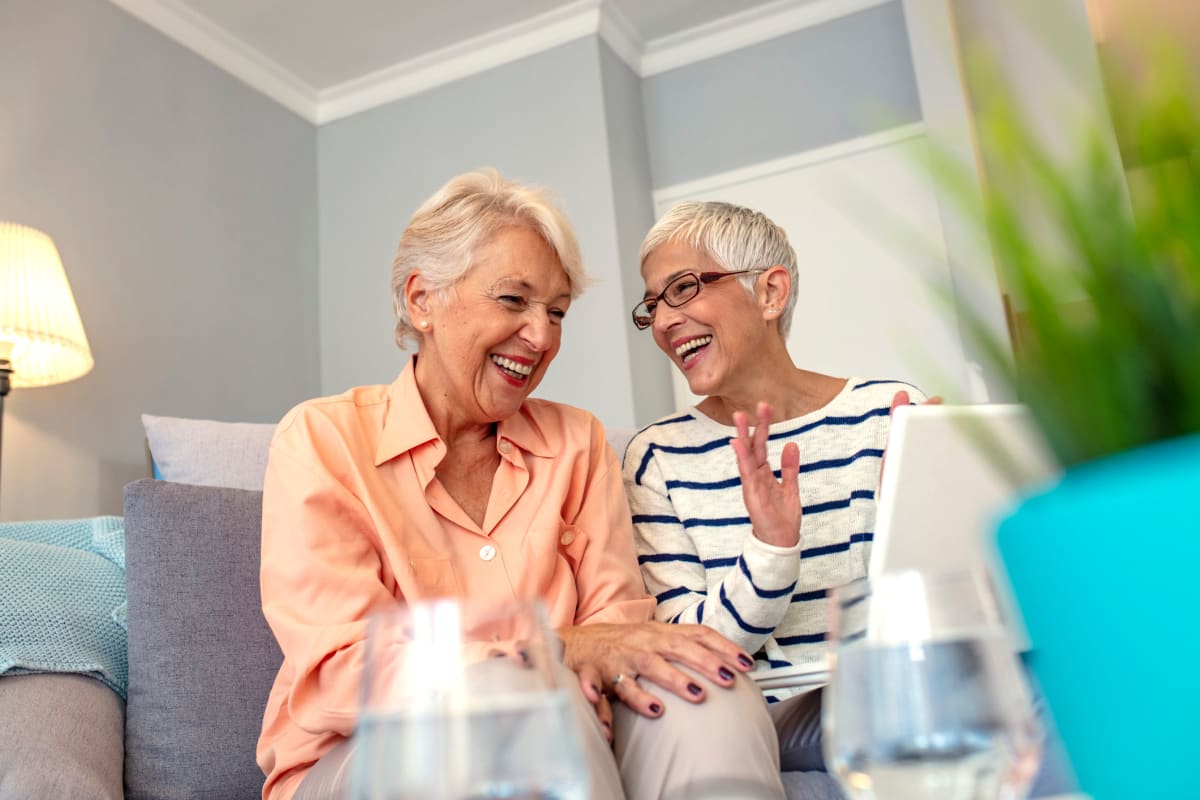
{"x": 62, "y": 598}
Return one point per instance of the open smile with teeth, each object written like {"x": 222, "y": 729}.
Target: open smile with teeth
{"x": 512, "y": 367}
{"x": 690, "y": 346}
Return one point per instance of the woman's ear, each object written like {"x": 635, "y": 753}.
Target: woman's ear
{"x": 776, "y": 287}
{"x": 417, "y": 298}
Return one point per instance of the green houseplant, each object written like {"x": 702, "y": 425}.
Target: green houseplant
{"x": 1105, "y": 269}
{"x": 1103, "y": 265}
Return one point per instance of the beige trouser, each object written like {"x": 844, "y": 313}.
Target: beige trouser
{"x": 725, "y": 747}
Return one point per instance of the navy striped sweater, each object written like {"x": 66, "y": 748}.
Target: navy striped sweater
{"x": 696, "y": 551}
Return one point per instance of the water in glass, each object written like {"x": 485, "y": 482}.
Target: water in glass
{"x": 464, "y": 703}
{"x": 927, "y": 699}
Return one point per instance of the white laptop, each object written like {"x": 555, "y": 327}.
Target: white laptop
{"x": 951, "y": 471}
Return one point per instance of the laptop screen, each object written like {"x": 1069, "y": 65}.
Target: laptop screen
{"x": 950, "y": 474}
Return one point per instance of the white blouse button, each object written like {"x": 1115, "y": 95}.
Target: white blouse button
{"x": 487, "y": 552}
{"x": 505, "y": 446}
{"x": 567, "y": 537}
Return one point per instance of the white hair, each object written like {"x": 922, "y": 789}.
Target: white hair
{"x": 446, "y": 232}
{"x": 735, "y": 237}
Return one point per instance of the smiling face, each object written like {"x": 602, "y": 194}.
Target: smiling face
{"x": 712, "y": 339}
{"x": 490, "y": 339}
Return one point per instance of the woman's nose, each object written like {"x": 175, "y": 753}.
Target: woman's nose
{"x": 539, "y": 333}
{"x": 665, "y": 316}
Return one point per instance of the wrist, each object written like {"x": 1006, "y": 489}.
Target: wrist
{"x": 782, "y": 539}
{"x": 768, "y": 552}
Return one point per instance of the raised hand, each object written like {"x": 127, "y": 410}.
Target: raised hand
{"x": 773, "y": 505}
{"x": 612, "y": 657}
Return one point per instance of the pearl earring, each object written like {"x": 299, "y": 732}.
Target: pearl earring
{"x": 423, "y": 324}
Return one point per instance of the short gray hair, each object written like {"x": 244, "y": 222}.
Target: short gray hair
{"x": 733, "y": 236}
{"x": 445, "y": 233}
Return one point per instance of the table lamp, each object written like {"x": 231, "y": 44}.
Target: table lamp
{"x": 41, "y": 336}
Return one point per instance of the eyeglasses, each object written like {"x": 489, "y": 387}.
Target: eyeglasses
{"x": 680, "y": 291}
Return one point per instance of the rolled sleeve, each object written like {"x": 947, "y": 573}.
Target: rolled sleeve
{"x": 607, "y": 577}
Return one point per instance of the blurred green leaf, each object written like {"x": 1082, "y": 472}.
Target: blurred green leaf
{"x": 1103, "y": 268}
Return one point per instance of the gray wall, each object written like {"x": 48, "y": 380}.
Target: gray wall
{"x": 230, "y": 260}
{"x": 184, "y": 207}
{"x": 845, "y": 78}
{"x": 577, "y": 119}
{"x": 631, "y": 178}
{"x": 541, "y": 119}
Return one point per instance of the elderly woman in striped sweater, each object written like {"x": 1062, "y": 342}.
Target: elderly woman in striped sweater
{"x": 722, "y": 537}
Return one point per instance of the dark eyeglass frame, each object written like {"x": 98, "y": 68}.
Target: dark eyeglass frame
{"x": 646, "y": 319}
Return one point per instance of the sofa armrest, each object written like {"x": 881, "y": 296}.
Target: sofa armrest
{"x": 201, "y": 657}
{"x": 60, "y": 736}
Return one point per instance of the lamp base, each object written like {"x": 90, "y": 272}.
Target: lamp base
{"x": 5, "y": 385}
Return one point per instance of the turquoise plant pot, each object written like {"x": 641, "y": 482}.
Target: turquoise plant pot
{"x": 1106, "y": 569}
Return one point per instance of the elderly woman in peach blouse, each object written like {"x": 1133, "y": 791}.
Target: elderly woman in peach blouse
{"x": 452, "y": 481}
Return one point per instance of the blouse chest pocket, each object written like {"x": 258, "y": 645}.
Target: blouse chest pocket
{"x": 432, "y": 577}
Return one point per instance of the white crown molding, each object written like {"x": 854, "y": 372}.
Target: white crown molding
{"x": 178, "y": 22}
{"x": 744, "y": 29}
{"x": 460, "y": 60}
{"x": 580, "y": 18}
{"x": 669, "y": 195}
{"x": 621, "y": 36}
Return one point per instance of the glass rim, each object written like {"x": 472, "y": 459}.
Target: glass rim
{"x": 916, "y": 608}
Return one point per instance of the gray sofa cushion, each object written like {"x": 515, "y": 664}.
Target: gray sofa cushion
{"x": 201, "y": 657}
{"x": 62, "y": 738}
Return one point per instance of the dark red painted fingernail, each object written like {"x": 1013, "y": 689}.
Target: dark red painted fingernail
{"x": 655, "y": 708}
{"x": 745, "y": 660}
{"x": 725, "y": 673}
{"x": 694, "y": 689}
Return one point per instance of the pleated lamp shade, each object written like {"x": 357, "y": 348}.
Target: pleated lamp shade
{"x": 39, "y": 322}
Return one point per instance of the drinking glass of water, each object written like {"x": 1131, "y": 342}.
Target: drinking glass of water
{"x": 463, "y": 701}
{"x": 927, "y": 698}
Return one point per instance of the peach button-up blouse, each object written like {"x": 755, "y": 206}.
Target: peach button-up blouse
{"x": 354, "y": 520}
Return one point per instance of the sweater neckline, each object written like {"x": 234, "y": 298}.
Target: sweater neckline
{"x": 811, "y": 416}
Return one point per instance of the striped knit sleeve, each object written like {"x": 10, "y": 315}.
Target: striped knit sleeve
{"x": 671, "y": 567}
{"x": 756, "y": 594}
{"x": 755, "y": 591}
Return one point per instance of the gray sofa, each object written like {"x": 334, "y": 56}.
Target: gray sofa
{"x": 201, "y": 662}
{"x": 201, "y": 658}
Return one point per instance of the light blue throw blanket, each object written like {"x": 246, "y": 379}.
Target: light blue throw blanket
{"x": 62, "y": 598}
